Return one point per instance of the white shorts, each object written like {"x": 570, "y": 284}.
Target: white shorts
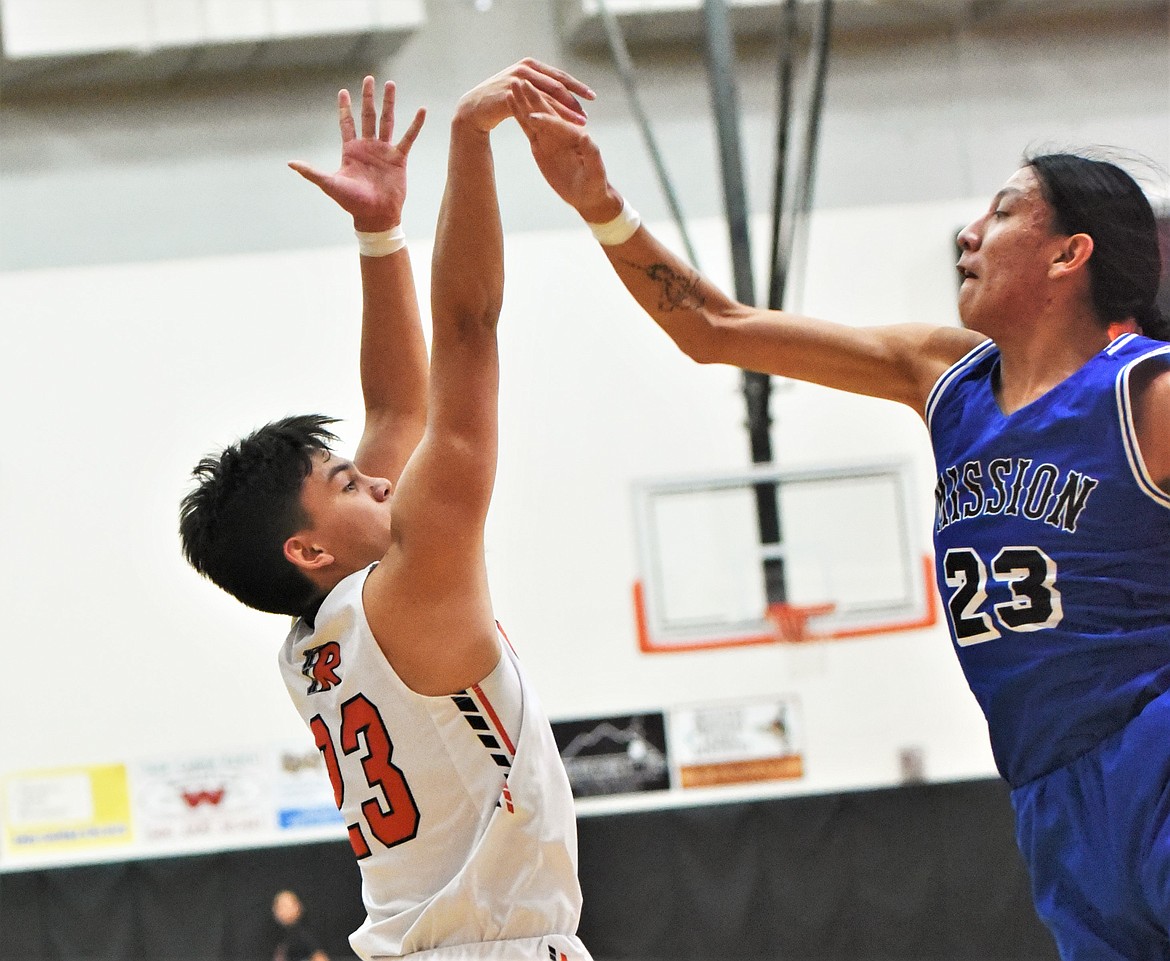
{"x": 551, "y": 947}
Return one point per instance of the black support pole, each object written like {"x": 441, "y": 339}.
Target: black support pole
{"x": 812, "y": 135}
{"x": 721, "y": 76}
{"x": 778, "y": 280}
{"x": 625, "y": 67}
{"x": 757, "y": 387}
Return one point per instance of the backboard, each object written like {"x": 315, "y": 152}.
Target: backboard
{"x": 848, "y": 560}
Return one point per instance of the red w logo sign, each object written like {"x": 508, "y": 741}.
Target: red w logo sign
{"x": 196, "y": 798}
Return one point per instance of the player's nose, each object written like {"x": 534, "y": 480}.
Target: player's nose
{"x": 968, "y": 238}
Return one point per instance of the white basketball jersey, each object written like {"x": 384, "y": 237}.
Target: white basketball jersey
{"x": 458, "y": 807}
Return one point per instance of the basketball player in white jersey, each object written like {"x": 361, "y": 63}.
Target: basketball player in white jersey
{"x": 442, "y": 761}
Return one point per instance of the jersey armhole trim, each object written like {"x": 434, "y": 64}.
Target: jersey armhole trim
{"x": 1133, "y": 453}
{"x": 959, "y": 367}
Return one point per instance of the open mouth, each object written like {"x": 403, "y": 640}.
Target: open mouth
{"x": 964, "y": 273}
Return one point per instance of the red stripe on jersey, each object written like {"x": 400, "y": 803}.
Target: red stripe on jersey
{"x": 491, "y": 712}
{"x": 500, "y": 628}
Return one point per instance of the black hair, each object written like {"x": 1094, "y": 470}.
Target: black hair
{"x": 1098, "y": 198}
{"x": 246, "y": 504}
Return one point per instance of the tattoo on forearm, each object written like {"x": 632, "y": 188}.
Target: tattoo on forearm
{"x": 678, "y": 291}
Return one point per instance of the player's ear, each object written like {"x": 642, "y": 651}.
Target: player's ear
{"x": 1073, "y": 255}
{"x": 303, "y": 553}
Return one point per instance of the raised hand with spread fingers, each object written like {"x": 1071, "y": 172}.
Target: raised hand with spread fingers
{"x": 371, "y": 182}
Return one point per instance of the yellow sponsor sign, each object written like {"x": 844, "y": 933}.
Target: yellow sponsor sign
{"x": 66, "y": 809}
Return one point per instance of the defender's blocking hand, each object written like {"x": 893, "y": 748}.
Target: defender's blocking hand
{"x": 566, "y": 155}
{"x": 486, "y": 105}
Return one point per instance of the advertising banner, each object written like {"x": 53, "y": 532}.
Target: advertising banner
{"x": 736, "y": 743}
{"x": 614, "y": 755}
{"x": 67, "y": 809}
{"x": 205, "y": 799}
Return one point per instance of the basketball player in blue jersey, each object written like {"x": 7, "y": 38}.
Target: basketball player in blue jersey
{"x": 442, "y": 761}
{"x": 1049, "y": 413}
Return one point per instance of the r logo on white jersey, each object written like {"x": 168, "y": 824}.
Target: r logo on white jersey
{"x": 320, "y": 667}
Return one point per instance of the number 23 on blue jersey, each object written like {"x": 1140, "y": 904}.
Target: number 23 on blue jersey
{"x": 1030, "y": 575}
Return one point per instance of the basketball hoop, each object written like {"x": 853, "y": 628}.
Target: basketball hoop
{"x": 790, "y": 621}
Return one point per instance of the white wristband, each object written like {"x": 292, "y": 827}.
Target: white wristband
{"x": 618, "y": 230}
{"x": 382, "y": 242}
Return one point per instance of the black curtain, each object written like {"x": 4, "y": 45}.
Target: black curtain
{"x": 214, "y": 907}
{"x": 915, "y": 874}
{"x": 924, "y": 873}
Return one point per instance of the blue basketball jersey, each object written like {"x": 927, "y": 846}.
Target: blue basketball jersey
{"x": 1052, "y": 552}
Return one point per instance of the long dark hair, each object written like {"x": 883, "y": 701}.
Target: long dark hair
{"x": 1098, "y": 198}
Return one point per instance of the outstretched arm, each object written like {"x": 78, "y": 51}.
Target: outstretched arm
{"x": 899, "y": 362}
{"x": 370, "y": 184}
{"x": 428, "y": 603}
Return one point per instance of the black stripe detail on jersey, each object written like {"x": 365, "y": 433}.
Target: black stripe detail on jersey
{"x": 478, "y": 723}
